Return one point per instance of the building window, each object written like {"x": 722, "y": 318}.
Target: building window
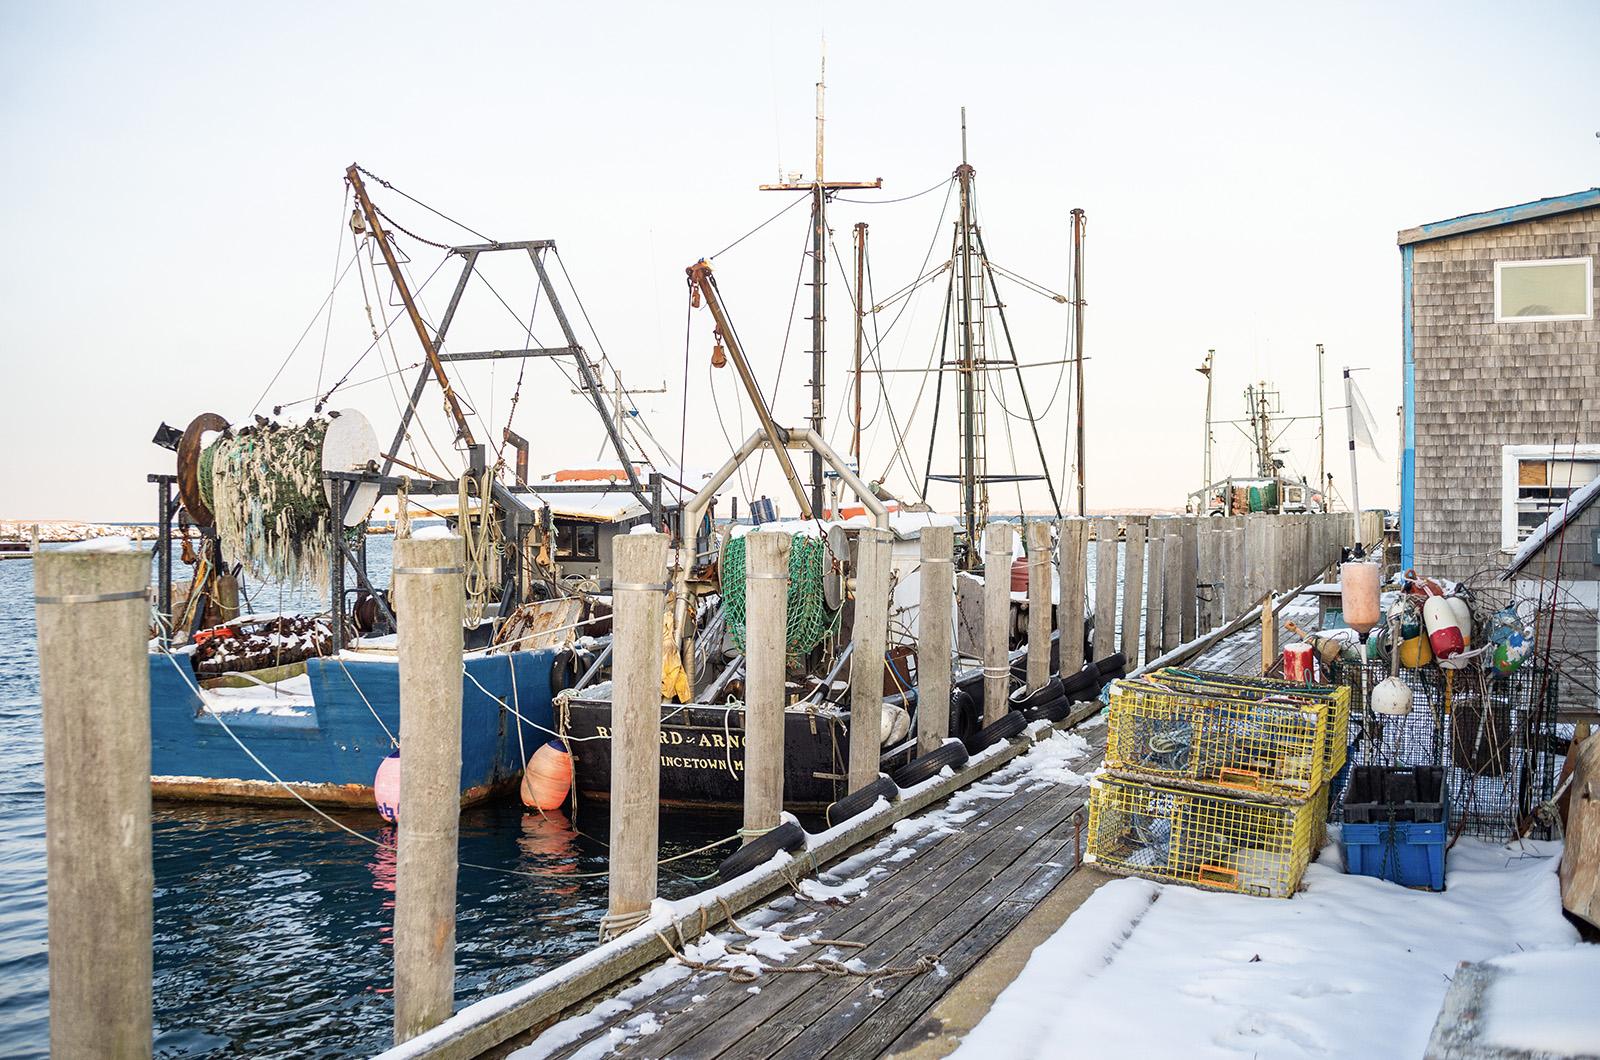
{"x": 1535, "y": 479}
{"x": 577, "y": 542}
{"x": 1550, "y": 289}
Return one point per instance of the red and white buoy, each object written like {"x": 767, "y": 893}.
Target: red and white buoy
{"x": 1445, "y": 634}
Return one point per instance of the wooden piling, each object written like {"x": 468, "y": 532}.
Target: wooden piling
{"x": 1132, "y": 589}
{"x": 428, "y": 576}
{"x": 1235, "y": 597}
{"x": 996, "y": 621}
{"x": 93, "y": 616}
{"x": 1209, "y": 530}
{"x": 1172, "y": 589}
{"x": 1155, "y": 587}
{"x": 766, "y": 644}
{"x": 868, "y": 636}
{"x": 1190, "y": 532}
{"x": 1269, "y": 634}
{"x": 1037, "y": 534}
{"x": 638, "y": 593}
{"x": 1072, "y": 563}
{"x": 933, "y": 637}
{"x": 1105, "y": 588}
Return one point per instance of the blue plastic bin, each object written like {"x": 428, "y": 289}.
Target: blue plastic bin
{"x": 1409, "y": 853}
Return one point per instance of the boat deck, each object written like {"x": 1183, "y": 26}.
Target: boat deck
{"x": 922, "y": 905}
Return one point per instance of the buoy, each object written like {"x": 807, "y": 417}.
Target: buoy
{"x": 1391, "y": 696}
{"x": 1511, "y": 639}
{"x": 1444, "y": 631}
{"x": 1019, "y": 574}
{"x": 1358, "y": 593}
{"x": 386, "y": 788}
{"x": 548, "y": 777}
{"x": 1461, "y": 611}
{"x": 1415, "y": 652}
{"x": 1297, "y": 662}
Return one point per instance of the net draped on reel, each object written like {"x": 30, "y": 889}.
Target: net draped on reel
{"x": 809, "y": 619}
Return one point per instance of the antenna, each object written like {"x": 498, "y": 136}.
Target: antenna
{"x": 964, "y": 135}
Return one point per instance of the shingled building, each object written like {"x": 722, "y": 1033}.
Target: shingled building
{"x": 1502, "y": 389}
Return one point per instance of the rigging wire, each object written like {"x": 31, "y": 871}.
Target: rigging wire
{"x": 375, "y": 342}
{"x": 903, "y": 198}
{"x": 338, "y": 253}
{"x": 464, "y": 227}
{"x": 296, "y": 347}
{"x": 798, "y": 199}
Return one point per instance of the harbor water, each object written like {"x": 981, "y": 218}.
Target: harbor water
{"x": 273, "y": 928}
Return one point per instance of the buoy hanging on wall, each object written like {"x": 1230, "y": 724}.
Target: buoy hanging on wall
{"x": 1358, "y": 592}
{"x": 386, "y": 788}
{"x": 1444, "y": 630}
{"x": 1391, "y": 696}
{"x": 548, "y": 777}
{"x": 1461, "y": 611}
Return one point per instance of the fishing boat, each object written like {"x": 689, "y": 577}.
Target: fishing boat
{"x": 273, "y": 706}
{"x": 702, "y": 723}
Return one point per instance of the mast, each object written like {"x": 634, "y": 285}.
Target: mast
{"x": 463, "y": 430}
{"x": 1322, "y": 436}
{"x": 1078, "y": 218}
{"x": 1205, "y": 486}
{"x": 819, "y": 189}
{"x": 861, "y": 310}
{"x": 974, "y": 495}
{"x": 1350, "y": 419}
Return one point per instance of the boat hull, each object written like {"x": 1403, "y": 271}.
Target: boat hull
{"x": 328, "y": 751}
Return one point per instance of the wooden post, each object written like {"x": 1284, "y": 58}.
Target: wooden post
{"x": 867, "y": 637}
{"x": 933, "y": 637}
{"x": 766, "y": 648}
{"x": 1172, "y": 589}
{"x": 1191, "y": 577}
{"x": 1209, "y": 530}
{"x": 1255, "y": 550}
{"x": 1039, "y": 624}
{"x": 996, "y": 621}
{"x": 638, "y": 593}
{"x": 93, "y": 616}
{"x": 34, "y": 537}
{"x": 1132, "y": 588}
{"x": 1237, "y": 600}
{"x": 1105, "y": 588}
{"x": 428, "y": 611}
{"x": 1155, "y": 590}
{"x": 1072, "y": 551}
{"x": 1269, "y": 634}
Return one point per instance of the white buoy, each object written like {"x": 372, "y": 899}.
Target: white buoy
{"x": 1391, "y": 696}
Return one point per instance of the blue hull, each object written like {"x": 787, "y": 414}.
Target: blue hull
{"x": 330, "y": 751}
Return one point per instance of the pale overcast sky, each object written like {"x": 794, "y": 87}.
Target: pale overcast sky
{"x": 172, "y": 195}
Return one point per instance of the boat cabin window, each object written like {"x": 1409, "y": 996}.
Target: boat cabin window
{"x": 577, "y": 541}
{"x": 1536, "y": 480}
{"x": 1548, "y": 289}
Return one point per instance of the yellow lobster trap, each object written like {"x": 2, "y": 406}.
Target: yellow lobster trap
{"x": 1275, "y": 738}
{"x": 1221, "y": 842}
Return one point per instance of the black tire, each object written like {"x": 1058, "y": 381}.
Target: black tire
{"x": 963, "y": 715}
{"x": 1022, "y": 698}
{"x": 859, "y": 802}
{"x": 1080, "y": 685}
{"x": 1051, "y": 710}
{"x": 1113, "y": 663}
{"x": 952, "y": 754}
{"x": 787, "y": 836}
{"x": 564, "y": 671}
{"x": 1008, "y": 726}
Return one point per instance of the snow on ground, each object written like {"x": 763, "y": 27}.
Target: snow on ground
{"x": 1544, "y": 1002}
{"x": 1351, "y": 966}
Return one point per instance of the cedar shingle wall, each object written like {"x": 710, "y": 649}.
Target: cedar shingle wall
{"x": 1481, "y": 385}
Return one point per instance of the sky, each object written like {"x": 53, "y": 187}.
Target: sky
{"x": 173, "y": 194}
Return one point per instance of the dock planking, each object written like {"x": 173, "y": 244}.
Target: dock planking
{"x": 966, "y": 886}
{"x": 969, "y": 882}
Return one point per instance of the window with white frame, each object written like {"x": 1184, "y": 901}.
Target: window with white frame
{"x": 1546, "y": 289}
{"x": 1535, "y": 479}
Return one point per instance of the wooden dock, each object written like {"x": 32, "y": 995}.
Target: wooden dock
{"x": 932, "y": 906}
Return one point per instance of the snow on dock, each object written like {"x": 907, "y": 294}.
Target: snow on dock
{"x": 847, "y": 963}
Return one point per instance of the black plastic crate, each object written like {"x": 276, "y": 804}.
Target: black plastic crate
{"x": 1385, "y": 793}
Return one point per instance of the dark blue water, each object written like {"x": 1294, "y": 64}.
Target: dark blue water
{"x": 273, "y": 927}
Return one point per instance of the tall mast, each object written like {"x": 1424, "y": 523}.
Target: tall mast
{"x": 1205, "y": 486}
{"x": 971, "y": 502}
{"x": 1322, "y": 436}
{"x": 819, "y": 188}
{"x": 1077, "y": 341}
{"x": 861, "y": 310}
{"x": 463, "y": 430}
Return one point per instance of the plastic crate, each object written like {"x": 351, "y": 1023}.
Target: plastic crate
{"x": 1379, "y": 794}
{"x": 1221, "y": 842}
{"x": 1218, "y": 737}
{"x": 1335, "y": 697}
{"x": 1410, "y": 853}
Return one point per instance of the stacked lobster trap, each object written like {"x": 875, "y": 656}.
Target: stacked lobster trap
{"x": 1217, "y": 780}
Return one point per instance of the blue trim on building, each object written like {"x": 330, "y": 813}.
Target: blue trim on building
{"x": 1473, "y": 222}
{"x": 1408, "y": 382}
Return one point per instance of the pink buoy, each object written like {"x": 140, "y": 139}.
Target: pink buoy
{"x": 1358, "y": 592}
{"x": 386, "y": 788}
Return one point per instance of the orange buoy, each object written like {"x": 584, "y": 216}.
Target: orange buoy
{"x": 548, "y": 777}
{"x": 386, "y": 788}
{"x": 1019, "y": 574}
{"x": 1358, "y": 592}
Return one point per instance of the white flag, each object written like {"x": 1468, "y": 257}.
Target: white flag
{"x": 1363, "y": 426}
